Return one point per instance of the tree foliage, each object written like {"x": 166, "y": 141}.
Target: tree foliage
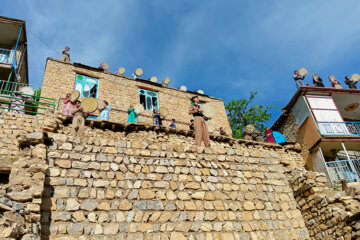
{"x": 243, "y": 112}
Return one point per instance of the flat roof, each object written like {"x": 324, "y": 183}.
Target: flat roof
{"x": 80, "y": 65}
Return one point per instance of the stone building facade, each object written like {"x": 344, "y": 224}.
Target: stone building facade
{"x": 60, "y": 78}
{"x": 289, "y": 128}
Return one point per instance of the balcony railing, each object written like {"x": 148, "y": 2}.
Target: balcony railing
{"x": 13, "y": 86}
{"x": 339, "y": 128}
{"x": 24, "y": 103}
{"x": 7, "y": 56}
{"x": 333, "y": 129}
{"x": 344, "y": 169}
{"x": 13, "y": 101}
{"x": 353, "y": 128}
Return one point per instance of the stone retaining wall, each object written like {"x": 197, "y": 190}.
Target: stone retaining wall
{"x": 13, "y": 125}
{"x": 20, "y": 200}
{"x": 149, "y": 185}
{"x": 145, "y": 185}
{"x": 328, "y": 214}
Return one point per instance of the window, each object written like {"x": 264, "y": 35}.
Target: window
{"x": 327, "y": 115}
{"x": 149, "y": 99}
{"x": 300, "y": 110}
{"x": 87, "y": 86}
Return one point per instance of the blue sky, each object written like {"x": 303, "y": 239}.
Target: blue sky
{"x": 227, "y": 48}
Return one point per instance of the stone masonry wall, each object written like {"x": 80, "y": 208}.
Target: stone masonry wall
{"x": 121, "y": 91}
{"x": 21, "y": 198}
{"x": 328, "y": 214}
{"x": 149, "y": 185}
{"x": 13, "y": 125}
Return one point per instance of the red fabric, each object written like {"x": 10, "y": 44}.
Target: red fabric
{"x": 269, "y": 136}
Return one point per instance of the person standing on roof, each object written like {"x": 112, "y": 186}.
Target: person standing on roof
{"x": 350, "y": 83}
{"x": 298, "y": 79}
{"x": 65, "y": 55}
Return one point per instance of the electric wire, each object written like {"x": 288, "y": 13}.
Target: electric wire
{"x": 48, "y": 45}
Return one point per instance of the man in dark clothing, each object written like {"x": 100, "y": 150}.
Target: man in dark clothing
{"x": 317, "y": 81}
{"x": 350, "y": 83}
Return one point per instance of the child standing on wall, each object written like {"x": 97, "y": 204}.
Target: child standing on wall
{"x": 172, "y": 124}
{"x": 68, "y": 106}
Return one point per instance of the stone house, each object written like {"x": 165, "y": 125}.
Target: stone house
{"x": 120, "y": 91}
{"x": 326, "y": 122}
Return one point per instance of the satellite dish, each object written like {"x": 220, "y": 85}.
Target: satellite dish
{"x": 303, "y": 71}
{"x": 200, "y": 91}
{"x": 166, "y": 81}
{"x": 120, "y": 71}
{"x": 315, "y": 77}
{"x": 183, "y": 88}
{"x": 153, "y": 79}
{"x": 138, "y": 72}
{"x": 104, "y": 66}
{"x": 332, "y": 78}
{"x": 355, "y": 77}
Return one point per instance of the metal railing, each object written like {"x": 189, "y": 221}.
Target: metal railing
{"x": 24, "y": 103}
{"x": 353, "y": 128}
{"x": 13, "y": 86}
{"x": 7, "y": 56}
{"x": 332, "y": 128}
{"x": 344, "y": 169}
{"x": 348, "y": 128}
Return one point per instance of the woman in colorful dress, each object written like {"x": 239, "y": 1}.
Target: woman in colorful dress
{"x": 104, "y": 112}
{"x": 132, "y": 115}
{"x": 157, "y": 117}
{"x": 68, "y": 106}
{"x": 17, "y": 103}
{"x": 269, "y": 137}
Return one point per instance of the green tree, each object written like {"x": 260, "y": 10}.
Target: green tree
{"x": 242, "y": 112}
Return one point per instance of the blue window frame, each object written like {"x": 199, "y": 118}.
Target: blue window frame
{"x": 200, "y": 103}
{"x": 149, "y": 99}
{"x": 87, "y": 86}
